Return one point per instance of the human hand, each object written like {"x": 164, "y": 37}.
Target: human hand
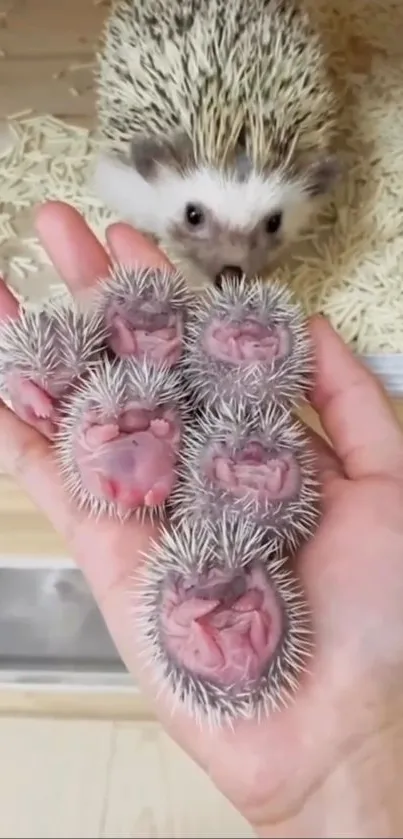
{"x": 288, "y": 775}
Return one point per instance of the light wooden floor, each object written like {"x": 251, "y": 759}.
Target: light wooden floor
{"x": 89, "y": 779}
{"x": 81, "y": 778}
{"x": 46, "y": 53}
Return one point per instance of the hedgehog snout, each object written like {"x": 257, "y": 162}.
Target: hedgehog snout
{"x": 229, "y": 272}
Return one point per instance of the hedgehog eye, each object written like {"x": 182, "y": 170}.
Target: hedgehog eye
{"x": 194, "y": 215}
{"x": 273, "y": 222}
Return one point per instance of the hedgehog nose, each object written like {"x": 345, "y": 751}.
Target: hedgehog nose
{"x": 229, "y": 272}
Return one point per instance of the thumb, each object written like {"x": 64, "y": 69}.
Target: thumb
{"x": 354, "y": 409}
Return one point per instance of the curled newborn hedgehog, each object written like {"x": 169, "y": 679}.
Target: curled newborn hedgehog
{"x": 160, "y": 403}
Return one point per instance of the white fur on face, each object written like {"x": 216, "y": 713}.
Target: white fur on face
{"x": 125, "y": 192}
{"x": 155, "y": 205}
{"x": 240, "y": 205}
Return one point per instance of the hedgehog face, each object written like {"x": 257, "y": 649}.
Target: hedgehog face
{"x": 238, "y": 226}
{"x": 218, "y": 248}
{"x": 213, "y": 222}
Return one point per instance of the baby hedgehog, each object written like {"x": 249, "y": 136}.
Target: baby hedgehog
{"x": 223, "y": 624}
{"x": 248, "y": 342}
{"x": 43, "y": 353}
{"x": 155, "y": 399}
{"x": 257, "y": 464}
{"x": 216, "y": 124}
{"x": 144, "y": 311}
{"x": 118, "y": 439}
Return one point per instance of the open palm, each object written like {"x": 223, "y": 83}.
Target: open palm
{"x": 352, "y": 571}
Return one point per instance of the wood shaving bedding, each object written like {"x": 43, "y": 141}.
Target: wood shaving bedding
{"x": 48, "y": 160}
{"x": 350, "y": 268}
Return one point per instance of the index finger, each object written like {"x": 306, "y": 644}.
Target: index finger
{"x": 130, "y": 247}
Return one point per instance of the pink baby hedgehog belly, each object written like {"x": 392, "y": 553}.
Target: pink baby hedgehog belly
{"x": 247, "y": 341}
{"x": 130, "y": 461}
{"x": 252, "y": 471}
{"x": 159, "y": 340}
{"x": 225, "y": 628}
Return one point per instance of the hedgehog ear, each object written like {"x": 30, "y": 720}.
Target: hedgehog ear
{"x": 148, "y": 154}
{"x": 145, "y": 155}
{"x": 322, "y": 175}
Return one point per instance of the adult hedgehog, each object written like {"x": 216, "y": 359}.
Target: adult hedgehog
{"x": 216, "y": 122}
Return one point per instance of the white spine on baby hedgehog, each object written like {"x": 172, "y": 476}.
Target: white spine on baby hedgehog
{"x": 217, "y": 123}
{"x": 249, "y": 342}
{"x": 52, "y": 345}
{"x": 259, "y": 464}
{"x": 145, "y": 311}
{"x": 139, "y": 285}
{"x": 188, "y": 562}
